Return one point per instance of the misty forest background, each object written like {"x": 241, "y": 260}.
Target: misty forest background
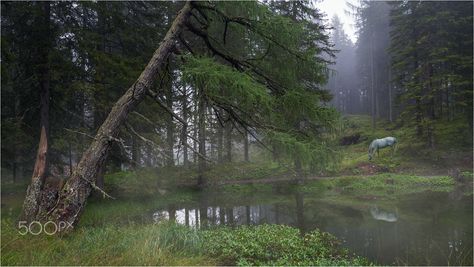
{"x": 64, "y": 64}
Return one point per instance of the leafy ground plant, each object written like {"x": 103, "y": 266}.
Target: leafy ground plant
{"x": 276, "y": 245}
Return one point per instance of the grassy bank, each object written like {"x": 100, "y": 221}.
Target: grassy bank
{"x": 172, "y": 244}
{"x": 385, "y": 185}
{"x": 164, "y": 244}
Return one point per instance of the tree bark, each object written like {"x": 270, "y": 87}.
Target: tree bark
{"x": 246, "y": 146}
{"x": 184, "y": 130}
{"x": 186, "y": 217}
{"x": 202, "y": 140}
{"x": 195, "y": 130}
{"x": 74, "y": 194}
{"x": 390, "y": 111}
{"x": 228, "y": 140}
{"x": 169, "y": 122}
{"x": 14, "y": 169}
{"x": 220, "y": 136}
{"x": 100, "y": 180}
{"x": 372, "y": 81}
{"x": 32, "y": 202}
{"x": 135, "y": 153}
{"x": 220, "y": 142}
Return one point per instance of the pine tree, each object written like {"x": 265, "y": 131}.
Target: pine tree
{"x": 431, "y": 56}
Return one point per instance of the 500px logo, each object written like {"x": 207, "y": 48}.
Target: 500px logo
{"x": 36, "y": 227}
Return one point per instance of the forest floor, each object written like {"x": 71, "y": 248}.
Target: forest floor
{"x": 110, "y": 234}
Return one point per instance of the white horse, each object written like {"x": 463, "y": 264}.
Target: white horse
{"x": 381, "y": 143}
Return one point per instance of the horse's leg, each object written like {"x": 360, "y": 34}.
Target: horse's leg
{"x": 378, "y": 151}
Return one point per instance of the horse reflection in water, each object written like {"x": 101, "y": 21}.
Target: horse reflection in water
{"x": 381, "y": 143}
{"x": 382, "y": 215}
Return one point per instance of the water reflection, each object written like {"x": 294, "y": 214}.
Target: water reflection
{"x": 382, "y": 215}
{"x": 212, "y": 216}
{"x": 428, "y": 228}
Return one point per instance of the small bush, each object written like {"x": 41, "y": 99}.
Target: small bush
{"x": 276, "y": 245}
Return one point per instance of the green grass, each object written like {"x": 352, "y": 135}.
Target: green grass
{"x": 385, "y": 185}
{"x": 171, "y": 244}
{"x": 160, "y": 244}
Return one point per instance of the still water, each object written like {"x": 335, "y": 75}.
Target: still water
{"x": 429, "y": 228}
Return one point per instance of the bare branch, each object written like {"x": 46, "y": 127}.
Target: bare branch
{"x": 145, "y": 119}
{"x": 166, "y": 108}
{"x": 146, "y": 140}
{"x": 78, "y": 132}
{"x": 104, "y": 194}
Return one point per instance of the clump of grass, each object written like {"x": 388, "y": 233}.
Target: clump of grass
{"x": 276, "y": 245}
{"x": 386, "y": 185}
{"x": 153, "y": 244}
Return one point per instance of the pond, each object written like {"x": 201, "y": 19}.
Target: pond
{"x": 429, "y": 228}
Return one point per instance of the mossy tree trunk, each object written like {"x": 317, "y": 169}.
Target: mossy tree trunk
{"x": 72, "y": 198}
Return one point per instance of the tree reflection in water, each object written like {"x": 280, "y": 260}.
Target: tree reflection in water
{"x": 426, "y": 228}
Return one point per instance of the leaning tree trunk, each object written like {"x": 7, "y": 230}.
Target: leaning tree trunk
{"x": 32, "y": 202}
{"x": 73, "y": 196}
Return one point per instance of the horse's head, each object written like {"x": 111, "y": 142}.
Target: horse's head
{"x": 370, "y": 157}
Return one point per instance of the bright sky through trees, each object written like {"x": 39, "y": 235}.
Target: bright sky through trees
{"x": 339, "y": 7}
